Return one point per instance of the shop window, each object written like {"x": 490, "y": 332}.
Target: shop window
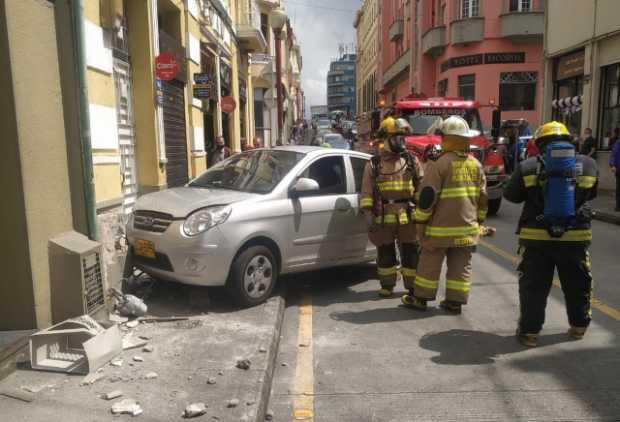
{"x": 610, "y": 104}
{"x": 469, "y": 8}
{"x": 517, "y": 91}
{"x": 520, "y": 5}
{"x": 467, "y": 86}
{"x": 442, "y": 88}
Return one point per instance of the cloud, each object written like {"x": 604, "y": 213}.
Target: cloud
{"x": 320, "y": 31}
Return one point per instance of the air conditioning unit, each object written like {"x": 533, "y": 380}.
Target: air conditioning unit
{"x": 76, "y": 277}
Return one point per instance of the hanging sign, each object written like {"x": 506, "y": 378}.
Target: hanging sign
{"x": 203, "y": 86}
{"x": 166, "y": 66}
{"x": 228, "y": 104}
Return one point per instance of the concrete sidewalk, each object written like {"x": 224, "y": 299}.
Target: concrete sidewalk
{"x": 604, "y": 208}
{"x": 195, "y": 361}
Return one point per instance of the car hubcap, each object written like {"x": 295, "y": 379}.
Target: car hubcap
{"x": 258, "y": 276}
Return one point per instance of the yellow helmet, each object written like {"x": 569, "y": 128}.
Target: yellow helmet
{"x": 551, "y": 130}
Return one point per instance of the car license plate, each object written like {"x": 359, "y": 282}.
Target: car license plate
{"x": 144, "y": 248}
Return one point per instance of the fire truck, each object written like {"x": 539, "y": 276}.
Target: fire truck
{"x": 423, "y": 113}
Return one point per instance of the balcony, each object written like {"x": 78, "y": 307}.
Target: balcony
{"x": 396, "y": 30}
{"x": 397, "y": 68}
{"x": 468, "y": 30}
{"x": 249, "y": 31}
{"x": 522, "y": 21}
{"x": 434, "y": 41}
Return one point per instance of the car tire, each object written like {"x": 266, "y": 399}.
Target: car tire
{"x": 494, "y": 205}
{"x": 253, "y": 276}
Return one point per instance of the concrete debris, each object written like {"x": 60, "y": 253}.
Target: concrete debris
{"x": 284, "y": 364}
{"x": 118, "y": 319}
{"x": 189, "y": 378}
{"x": 133, "y": 324}
{"x": 34, "y": 389}
{"x": 303, "y": 344}
{"x": 211, "y": 381}
{"x": 150, "y": 375}
{"x": 148, "y": 349}
{"x": 195, "y": 409}
{"x": 113, "y": 395}
{"x": 250, "y": 403}
{"x": 269, "y": 415}
{"x": 262, "y": 350}
{"x": 138, "y": 359}
{"x": 244, "y": 364}
{"x": 232, "y": 403}
{"x": 17, "y": 394}
{"x": 143, "y": 337}
{"x": 220, "y": 372}
{"x": 128, "y": 343}
{"x": 216, "y": 418}
{"x": 90, "y": 379}
{"x": 128, "y": 305}
{"x": 117, "y": 363}
{"x": 126, "y": 406}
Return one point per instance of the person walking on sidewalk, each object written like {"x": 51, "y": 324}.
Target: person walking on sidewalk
{"x": 221, "y": 151}
{"x": 554, "y": 230}
{"x": 588, "y": 146}
{"x": 452, "y": 205}
{"x": 614, "y": 165}
{"x": 390, "y": 182}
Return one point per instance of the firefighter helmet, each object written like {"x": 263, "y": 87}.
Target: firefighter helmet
{"x": 551, "y": 131}
{"x": 456, "y": 126}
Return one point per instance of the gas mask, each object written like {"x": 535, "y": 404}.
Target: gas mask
{"x": 396, "y": 144}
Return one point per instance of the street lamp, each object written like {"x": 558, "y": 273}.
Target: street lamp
{"x": 278, "y": 19}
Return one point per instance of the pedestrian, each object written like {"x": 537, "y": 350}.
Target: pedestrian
{"x": 614, "y": 165}
{"x": 257, "y": 143}
{"x": 389, "y": 185}
{"x": 615, "y": 138}
{"x": 588, "y": 146}
{"x": 452, "y": 205}
{"x": 531, "y": 149}
{"x": 554, "y": 231}
{"x": 244, "y": 145}
{"x": 221, "y": 151}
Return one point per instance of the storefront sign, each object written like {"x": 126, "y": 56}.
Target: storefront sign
{"x": 166, "y": 66}
{"x": 471, "y": 60}
{"x": 493, "y": 58}
{"x": 570, "y": 66}
{"x": 159, "y": 92}
{"x": 203, "y": 86}
{"x": 228, "y": 104}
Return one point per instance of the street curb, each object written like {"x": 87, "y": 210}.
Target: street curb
{"x": 272, "y": 354}
{"x": 607, "y": 217}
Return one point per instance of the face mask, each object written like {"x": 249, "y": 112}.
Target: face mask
{"x": 397, "y": 144}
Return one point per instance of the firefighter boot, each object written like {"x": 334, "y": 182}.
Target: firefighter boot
{"x": 577, "y": 333}
{"x": 386, "y": 292}
{"x": 528, "y": 340}
{"x": 410, "y": 301}
{"x": 450, "y": 306}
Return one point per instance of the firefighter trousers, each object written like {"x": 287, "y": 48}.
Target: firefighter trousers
{"x": 387, "y": 264}
{"x": 536, "y": 269}
{"x": 457, "y": 278}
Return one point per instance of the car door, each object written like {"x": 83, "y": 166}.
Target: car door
{"x": 320, "y": 217}
{"x": 357, "y": 246}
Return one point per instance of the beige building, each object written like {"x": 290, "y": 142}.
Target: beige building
{"x": 367, "y": 26}
{"x": 582, "y": 70}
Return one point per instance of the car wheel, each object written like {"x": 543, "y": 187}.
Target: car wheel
{"x": 494, "y": 205}
{"x": 253, "y": 276}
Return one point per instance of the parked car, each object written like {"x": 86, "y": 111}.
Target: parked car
{"x": 335, "y": 140}
{"x": 253, "y": 217}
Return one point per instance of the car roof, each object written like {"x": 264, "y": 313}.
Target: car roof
{"x": 315, "y": 151}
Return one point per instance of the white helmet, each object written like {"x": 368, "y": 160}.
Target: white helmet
{"x": 457, "y": 126}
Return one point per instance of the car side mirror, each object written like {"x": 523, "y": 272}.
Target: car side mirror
{"x": 303, "y": 186}
{"x": 496, "y": 119}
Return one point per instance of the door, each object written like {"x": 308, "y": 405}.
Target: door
{"x": 126, "y": 135}
{"x": 174, "y": 133}
{"x": 358, "y": 245}
{"x": 320, "y": 218}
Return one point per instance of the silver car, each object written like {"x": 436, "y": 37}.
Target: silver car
{"x": 252, "y": 217}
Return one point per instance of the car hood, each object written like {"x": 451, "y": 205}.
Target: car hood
{"x": 180, "y": 202}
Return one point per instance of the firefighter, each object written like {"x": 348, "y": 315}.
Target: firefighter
{"x": 554, "y": 230}
{"x": 452, "y": 205}
{"x": 388, "y": 125}
{"x": 389, "y": 185}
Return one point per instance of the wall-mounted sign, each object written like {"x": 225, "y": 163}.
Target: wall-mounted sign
{"x": 570, "y": 65}
{"x": 487, "y": 58}
{"x": 159, "y": 92}
{"x": 203, "y": 86}
{"x": 228, "y": 104}
{"x": 492, "y": 58}
{"x": 461, "y": 61}
{"x": 202, "y": 78}
{"x": 166, "y": 66}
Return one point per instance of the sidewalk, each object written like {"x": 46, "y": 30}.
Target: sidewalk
{"x": 604, "y": 206}
{"x": 195, "y": 361}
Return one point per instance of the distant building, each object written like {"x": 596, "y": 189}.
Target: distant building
{"x": 367, "y": 27}
{"x": 341, "y": 85}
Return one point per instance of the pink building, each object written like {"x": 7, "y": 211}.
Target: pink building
{"x": 488, "y": 50}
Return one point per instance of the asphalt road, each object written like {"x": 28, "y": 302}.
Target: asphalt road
{"x": 346, "y": 355}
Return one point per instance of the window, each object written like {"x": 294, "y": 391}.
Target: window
{"x": 520, "y": 5}
{"x": 442, "y": 88}
{"x": 467, "y": 86}
{"x": 264, "y": 26}
{"x": 517, "y": 91}
{"x": 469, "y": 8}
{"x": 358, "y": 164}
{"x": 329, "y": 173}
{"x": 610, "y": 99}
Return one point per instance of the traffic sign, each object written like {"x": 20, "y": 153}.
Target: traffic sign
{"x": 166, "y": 66}
{"x": 228, "y": 104}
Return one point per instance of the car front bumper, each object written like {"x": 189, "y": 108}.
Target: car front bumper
{"x": 202, "y": 260}
{"x": 495, "y": 186}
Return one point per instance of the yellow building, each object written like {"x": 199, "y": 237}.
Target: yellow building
{"x": 367, "y": 26}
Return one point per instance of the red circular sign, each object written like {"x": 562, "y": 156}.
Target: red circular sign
{"x": 228, "y": 104}
{"x": 166, "y": 66}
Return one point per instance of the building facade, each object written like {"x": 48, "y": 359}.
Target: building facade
{"x": 341, "y": 91}
{"x": 490, "y": 51}
{"x": 582, "y": 71}
{"x": 367, "y": 30}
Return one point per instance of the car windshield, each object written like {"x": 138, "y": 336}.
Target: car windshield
{"x": 324, "y": 123}
{"x": 421, "y": 120}
{"x": 257, "y": 171}
{"x": 336, "y": 141}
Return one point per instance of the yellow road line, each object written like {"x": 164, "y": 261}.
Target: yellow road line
{"x": 608, "y": 310}
{"x": 303, "y": 404}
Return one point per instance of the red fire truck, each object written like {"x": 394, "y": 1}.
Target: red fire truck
{"x": 422, "y": 113}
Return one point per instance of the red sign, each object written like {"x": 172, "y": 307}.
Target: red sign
{"x": 166, "y": 66}
{"x": 228, "y": 104}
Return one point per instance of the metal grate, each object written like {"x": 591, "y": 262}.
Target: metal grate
{"x": 151, "y": 221}
{"x": 93, "y": 282}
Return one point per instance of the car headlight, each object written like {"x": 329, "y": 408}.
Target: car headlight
{"x": 494, "y": 169}
{"x": 206, "y": 218}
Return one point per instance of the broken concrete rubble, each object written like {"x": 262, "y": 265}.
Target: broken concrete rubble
{"x": 244, "y": 364}
{"x": 138, "y": 359}
{"x": 128, "y": 305}
{"x": 150, "y": 375}
{"x": 195, "y": 409}
{"x": 232, "y": 403}
{"x": 126, "y": 406}
{"x": 113, "y": 395}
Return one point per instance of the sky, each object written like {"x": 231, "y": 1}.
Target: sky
{"x": 320, "y": 26}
